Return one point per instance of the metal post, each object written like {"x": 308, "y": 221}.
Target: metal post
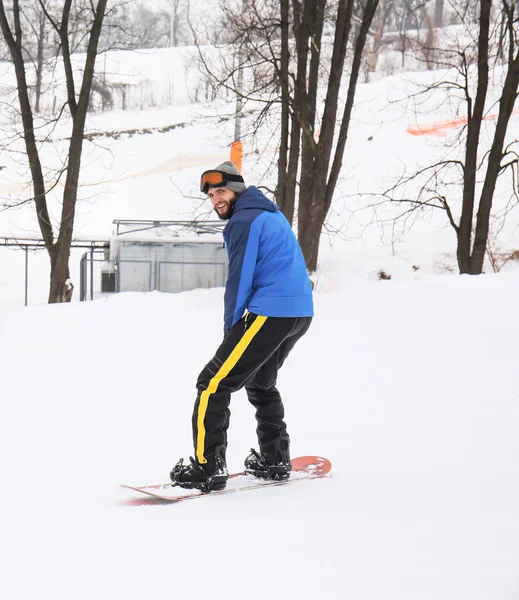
{"x": 92, "y": 273}
{"x": 82, "y": 279}
{"x": 26, "y": 275}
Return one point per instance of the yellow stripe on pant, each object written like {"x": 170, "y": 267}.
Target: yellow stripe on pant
{"x": 223, "y": 371}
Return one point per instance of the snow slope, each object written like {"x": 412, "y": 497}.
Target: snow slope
{"x": 410, "y": 388}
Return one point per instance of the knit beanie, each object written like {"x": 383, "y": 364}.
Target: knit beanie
{"x": 234, "y": 186}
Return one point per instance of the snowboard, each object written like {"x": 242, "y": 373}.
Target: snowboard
{"x": 303, "y": 468}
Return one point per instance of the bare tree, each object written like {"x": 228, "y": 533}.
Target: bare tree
{"x": 409, "y": 27}
{"x": 379, "y": 24}
{"x": 322, "y": 151}
{"x": 480, "y": 164}
{"x": 288, "y": 161}
{"x": 77, "y": 104}
{"x": 138, "y": 24}
{"x": 175, "y": 20}
{"x": 471, "y": 250}
{"x": 295, "y": 52}
{"x": 34, "y": 17}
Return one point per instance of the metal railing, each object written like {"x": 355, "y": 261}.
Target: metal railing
{"x": 199, "y": 227}
{"x": 86, "y": 272}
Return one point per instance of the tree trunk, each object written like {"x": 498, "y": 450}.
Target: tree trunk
{"x": 438, "y": 13}
{"x": 318, "y": 181}
{"x": 474, "y": 120}
{"x": 61, "y": 287}
{"x": 372, "y": 59}
{"x": 315, "y": 150}
{"x": 285, "y": 203}
{"x": 14, "y": 43}
{"x": 506, "y": 105}
{"x": 39, "y": 62}
{"x": 78, "y": 109}
{"x": 294, "y": 141}
{"x": 293, "y": 167}
{"x": 309, "y": 235}
{"x": 173, "y": 42}
{"x": 59, "y": 252}
{"x": 367, "y": 19}
{"x": 302, "y": 108}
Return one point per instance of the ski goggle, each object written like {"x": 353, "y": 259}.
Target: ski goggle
{"x": 217, "y": 179}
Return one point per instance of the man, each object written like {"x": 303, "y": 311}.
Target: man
{"x": 268, "y": 307}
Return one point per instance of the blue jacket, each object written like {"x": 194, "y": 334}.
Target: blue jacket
{"x": 267, "y": 271}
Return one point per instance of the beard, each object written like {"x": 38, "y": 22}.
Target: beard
{"x": 227, "y": 214}
{"x": 224, "y": 216}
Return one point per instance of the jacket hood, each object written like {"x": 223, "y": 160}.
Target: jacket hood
{"x": 253, "y": 198}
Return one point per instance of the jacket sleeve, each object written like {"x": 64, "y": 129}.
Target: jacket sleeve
{"x": 242, "y": 246}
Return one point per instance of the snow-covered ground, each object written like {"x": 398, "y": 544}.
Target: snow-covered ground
{"x": 410, "y": 387}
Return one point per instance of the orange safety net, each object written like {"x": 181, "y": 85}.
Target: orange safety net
{"x": 440, "y": 127}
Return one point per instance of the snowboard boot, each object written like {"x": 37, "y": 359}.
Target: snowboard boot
{"x": 208, "y": 477}
{"x": 272, "y": 462}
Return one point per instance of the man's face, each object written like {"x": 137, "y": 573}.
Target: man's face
{"x": 222, "y": 200}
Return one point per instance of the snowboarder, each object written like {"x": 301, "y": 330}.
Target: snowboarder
{"x": 268, "y": 308}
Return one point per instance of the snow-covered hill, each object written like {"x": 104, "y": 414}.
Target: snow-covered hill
{"x": 152, "y": 172}
{"x": 410, "y": 388}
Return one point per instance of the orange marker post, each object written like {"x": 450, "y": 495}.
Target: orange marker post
{"x": 237, "y": 154}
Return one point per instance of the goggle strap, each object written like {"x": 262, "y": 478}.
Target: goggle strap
{"x": 231, "y": 177}
{"x": 225, "y": 177}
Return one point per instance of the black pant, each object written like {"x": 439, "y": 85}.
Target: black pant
{"x": 250, "y": 355}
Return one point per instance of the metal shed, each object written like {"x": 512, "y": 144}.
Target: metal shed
{"x": 166, "y": 256}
